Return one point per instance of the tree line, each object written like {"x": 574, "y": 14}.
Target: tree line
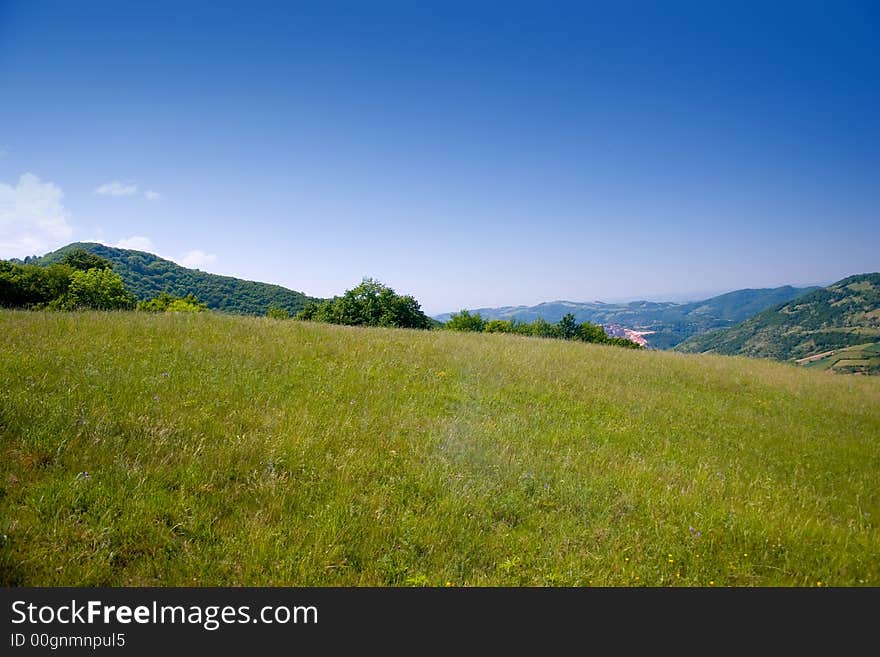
{"x": 566, "y": 328}
{"x": 373, "y": 304}
{"x": 84, "y": 280}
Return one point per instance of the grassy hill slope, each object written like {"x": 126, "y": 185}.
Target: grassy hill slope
{"x": 146, "y": 275}
{"x": 213, "y": 449}
{"x": 840, "y": 315}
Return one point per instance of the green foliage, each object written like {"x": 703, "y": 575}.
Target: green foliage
{"x": 369, "y": 304}
{"x": 148, "y": 275}
{"x": 566, "y": 328}
{"x": 29, "y": 286}
{"x": 63, "y": 286}
{"x": 99, "y": 289}
{"x": 168, "y": 303}
{"x": 464, "y": 321}
{"x": 82, "y": 260}
{"x": 149, "y": 449}
{"x": 277, "y": 312}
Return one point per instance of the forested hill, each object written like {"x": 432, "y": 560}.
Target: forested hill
{"x": 840, "y": 315}
{"x": 147, "y": 275}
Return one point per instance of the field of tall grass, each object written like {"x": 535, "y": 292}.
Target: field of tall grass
{"x": 176, "y": 449}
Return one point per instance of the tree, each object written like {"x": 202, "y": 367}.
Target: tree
{"x": 369, "y": 304}
{"x": 464, "y": 321}
{"x": 83, "y": 260}
{"x": 31, "y": 286}
{"x": 541, "y": 328}
{"x": 101, "y": 289}
{"x": 567, "y": 327}
{"x": 589, "y": 332}
{"x": 499, "y": 326}
{"x": 277, "y": 312}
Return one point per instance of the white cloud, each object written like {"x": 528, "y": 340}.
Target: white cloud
{"x": 197, "y": 258}
{"x": 136, "y": 242}
{"x": 32, "y": 218}
{"x": 150, "y": 195}
{"x": 117, "y": 188}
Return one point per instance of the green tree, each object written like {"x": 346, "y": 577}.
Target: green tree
{"x": 464, "y": 321}
{"x": 83, "y": 260}
{"x": 369, "y": 304}
{"x": 31, "y": 286}
{"x": 567, "y": 327}
{"x": 101, "y": 289}
{"x": 277, "y": 312}
{"x": 541, "y": 328}
{"x": 499, "y": 326}
{"x": 589, "y": 332}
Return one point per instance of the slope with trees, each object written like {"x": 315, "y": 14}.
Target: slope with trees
{"x": 147, "y": 275}
{"x": 841, "y": 315}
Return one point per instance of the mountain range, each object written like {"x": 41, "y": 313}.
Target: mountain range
{"x": 665, "y": 323}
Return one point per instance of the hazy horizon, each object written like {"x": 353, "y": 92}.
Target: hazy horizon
{"x": 469, "y": 156}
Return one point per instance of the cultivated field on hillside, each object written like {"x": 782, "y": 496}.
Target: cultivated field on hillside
{"x": 175, "y": 449}
{"x": 861, "y": 359}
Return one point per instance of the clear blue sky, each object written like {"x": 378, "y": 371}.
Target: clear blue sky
{"x": 469, "y": 154}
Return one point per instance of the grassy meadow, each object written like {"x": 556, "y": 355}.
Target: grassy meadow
{"x": 203, "y": 449}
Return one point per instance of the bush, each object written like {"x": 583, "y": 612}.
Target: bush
{"x": 277, "y": 312}
{"x": 168, "y": 303}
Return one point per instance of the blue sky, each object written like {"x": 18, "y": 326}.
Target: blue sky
{"x": 471, "y": 154}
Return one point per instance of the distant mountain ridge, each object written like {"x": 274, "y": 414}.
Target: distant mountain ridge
{"x": 671, "y": 322}
{"x": 147, "y": 275}
{"x": 841, "y": 315}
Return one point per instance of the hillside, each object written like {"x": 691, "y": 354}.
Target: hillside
{"x": 671, "y": 322}
{"x": 210, "y": 449}
{"x": 146, "y": 275}
{"x": 842, "y": 315}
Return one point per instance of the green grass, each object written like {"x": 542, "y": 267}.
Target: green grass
{"x": 245, "y": 451}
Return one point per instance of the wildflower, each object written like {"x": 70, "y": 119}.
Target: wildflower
{"x": 818, "y": 583}
{"x": 441, "y": 373}
{"x": 155, "y": 397}
{"x": 83, "y": 475}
